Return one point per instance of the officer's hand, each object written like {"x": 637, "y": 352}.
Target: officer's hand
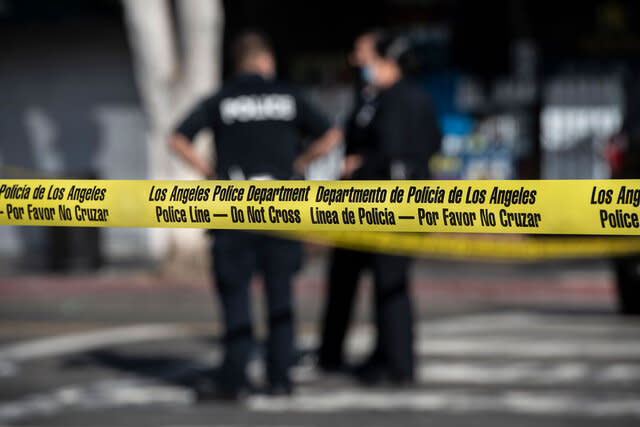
{"x": 207, "y": 171}
{"x": 183, "y": 147}
{"x": 350, "y": 164}
{"x": 300, "y": 165}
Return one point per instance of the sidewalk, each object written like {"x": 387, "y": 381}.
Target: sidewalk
{"x": 121, "y": 296}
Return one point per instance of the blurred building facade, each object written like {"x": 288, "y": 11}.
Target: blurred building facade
{"x": 522, "y": 88}
{"x": 70, "y": 108}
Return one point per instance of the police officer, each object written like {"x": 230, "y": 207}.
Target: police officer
{"x": 258, "y": 124}
{"x": 395, "y": 143}
{"x": 345, "y": 265}
{"x": 623, "y": 154}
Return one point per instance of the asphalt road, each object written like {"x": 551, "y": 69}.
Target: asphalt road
{"x": 495, "y": 367}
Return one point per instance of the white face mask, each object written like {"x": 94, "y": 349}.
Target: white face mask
{"x": 367, "y": 74}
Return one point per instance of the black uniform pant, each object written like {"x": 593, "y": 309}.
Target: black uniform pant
{"x": 627, "y": 272}
{"x": 393, "y": 315}
{"x": 237, "y": 255}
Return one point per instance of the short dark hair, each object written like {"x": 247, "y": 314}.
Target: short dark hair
{"x": 397, "y": 48}
{"x": 375, "y": 33}
{"x": 247, "y": 44}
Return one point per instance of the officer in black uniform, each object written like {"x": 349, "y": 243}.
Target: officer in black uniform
{"x": 258, "y": 125}
{"x": 396, "y": 143}
{"x": 345, "y": 265}
{"x": 623, "y": 153}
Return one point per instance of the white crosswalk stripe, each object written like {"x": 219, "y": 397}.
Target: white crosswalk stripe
{"x": 511, "y": 363}
{"x": 509, "y": 401}
{"x": 528, "y": 348}
{"x": 526, "y": 373}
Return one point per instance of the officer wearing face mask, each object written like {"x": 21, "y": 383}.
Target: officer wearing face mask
{"x": 364, "y": 100}
{"x": 342, "y": 278}
{"x": 259, "y": 125}
{"x": 394, "y": 140}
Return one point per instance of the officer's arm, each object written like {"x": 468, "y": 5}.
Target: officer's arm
{"x": 183, "y": 147}
{"x": 350, "y": 164}
{"x": 318, "y": 148}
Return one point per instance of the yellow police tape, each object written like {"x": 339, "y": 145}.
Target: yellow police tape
{"x": 324, "y": 211}
{"x": 475, "y": 247}
{"x": 595, "y": 207}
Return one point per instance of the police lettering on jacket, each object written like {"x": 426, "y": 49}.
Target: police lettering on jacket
{"x": 247, "y": 108}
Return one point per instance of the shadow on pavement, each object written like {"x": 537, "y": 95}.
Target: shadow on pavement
{"x": 174, "y": 370}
